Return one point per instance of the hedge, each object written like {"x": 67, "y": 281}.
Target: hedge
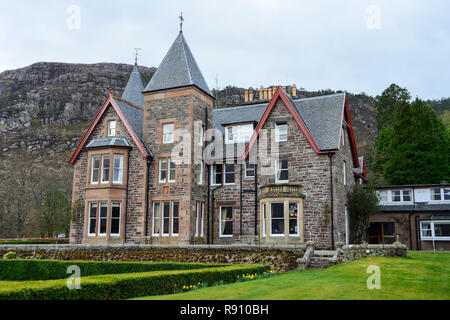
{"x": 27, "y": 269}
{"x": 124, "y": 286}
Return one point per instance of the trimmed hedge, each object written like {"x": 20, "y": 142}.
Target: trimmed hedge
{"x": 124, "y": 286}
{"x": 27, "y": 269}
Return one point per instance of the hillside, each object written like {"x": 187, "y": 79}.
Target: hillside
{"x": 45, "y": 108}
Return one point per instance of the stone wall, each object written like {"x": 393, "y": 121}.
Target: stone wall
{"x": 358, "y": 251}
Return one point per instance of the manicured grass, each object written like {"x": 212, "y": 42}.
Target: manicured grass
{"x": 423, "y": 275}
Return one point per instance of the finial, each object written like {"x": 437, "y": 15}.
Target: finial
{"x": 136, "y": 55}
{"x": 110, "y": 91}
{"x": 181, "y": 22}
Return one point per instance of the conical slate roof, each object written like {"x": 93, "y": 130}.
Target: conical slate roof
{"x": 178, "y": 69}
{"x": 134, "y": 88}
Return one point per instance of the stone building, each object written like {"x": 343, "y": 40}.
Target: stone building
{"x": 160, "y": 165}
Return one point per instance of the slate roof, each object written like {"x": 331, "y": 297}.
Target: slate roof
{"x": 134, "y": 88}
{"x": 108, "y": 142}
{"x": 420, "y": 206}
{"x": 322, "y": 116}
{"x": 178, "y": 69}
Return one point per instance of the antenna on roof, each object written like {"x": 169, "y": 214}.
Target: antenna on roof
{"x": 181, "y": 21}
{"x": 136, "y": 55}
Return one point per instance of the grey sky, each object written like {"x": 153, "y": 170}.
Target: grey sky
{"x": 316, "y": 44}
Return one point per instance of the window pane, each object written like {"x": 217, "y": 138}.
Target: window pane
{"x": 175, "y": 218}
{"x": 229, "y": 173}
{"x": 426, "y": 229}
{"x": 166, "y": 217}
{"x": 249, "y": 170}
{"x": 217, "y": 173}
{"x": 406, "y": 195}
{"x": 105, "y": 169}
{"x": 436, "y": 194}
{"x": 115, "y": 218}
{"x": 111, "y": 128}
{"x": 396, "y": 195}
{"x": 293, "y": 218}
{"x": 282, "y": 170}
{"x": 442, "y": 229}
{"x": 277, "y": 212}
{"x": 446, "y": 193}
{"x": 171, "y": 170}
{"x": 162, "y": 170}
{"x": 118, "y": 169}
{"x": 95, "y": 169}
{"x": 92, "y": 218}
{"x": 226, "y": 218}
{"x": 103, "y": 217}
{"x": 156, "y": 217}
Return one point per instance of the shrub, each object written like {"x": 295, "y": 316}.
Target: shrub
{"x": 20, "y": 269}
{"x": 9, "y": 255}
{"x": 123, "y": 286}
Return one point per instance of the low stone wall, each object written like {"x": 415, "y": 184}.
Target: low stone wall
{"x": 358, "y": 251}
{"x": 280, "y": 259}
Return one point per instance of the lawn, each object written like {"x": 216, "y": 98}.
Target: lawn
{"x": 423, "y": 275}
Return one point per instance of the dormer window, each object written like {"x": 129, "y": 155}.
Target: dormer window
{"x": 281, "y": 132}
{"x": 238, "y": 134}
{"x": 112, "y": 128}
{"x": 168, "y": 133}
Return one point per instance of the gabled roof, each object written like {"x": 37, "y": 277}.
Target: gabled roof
{"x": 178, "y": 69}
{"x": 131, "y": 117}
{"x": 134, "y": 88}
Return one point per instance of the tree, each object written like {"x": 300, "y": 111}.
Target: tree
{"x": 54, "y": 212}
{"x": 388, "y": 102}
{"x": 362, "y": 203}
{"x": 418, "y": 149}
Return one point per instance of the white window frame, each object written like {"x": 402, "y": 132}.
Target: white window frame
{"x": 284, "y": 221}
{"x": 279, "y": 132}
{"x": 246, "y": 176}
{"x": 172, "y": 219}
{"x": 214, "y": 174}
{"x": 170, "y": 161}
{"x": 120, "y": 168}
{"x": 298, "y": 220}
{"x": 347, "y": 226}
{"x": 111, "y": 218}
{"x": 112, "y": 129}
{"x": 433, "y": 235}
{"x": 277, "y": 168}
{"x": 441, "y": 193}
{"x": 163, "y": 218}
{"x": 240, "y": 133}
{"x": 99, "y": 212}
{"x": 89, "y": 219}
{"x": 168, "y": 133}
{"x": 200, "y": 173}
{"x": 225, "y": 221}
{"x": 98, "y": 169}
{"x": 202, "y": 219}
{"x": 197, "y": 217}
{"x": 103, "y": 168}
{"x": 160, "y": 170}
{"x": 159, "y": 219}
{"x": 402, "y": 195}
{"x": 225, "y": 173}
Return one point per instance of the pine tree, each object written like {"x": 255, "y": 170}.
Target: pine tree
{"x": 418, "y": 148}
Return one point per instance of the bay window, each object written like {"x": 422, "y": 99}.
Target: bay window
{"x": 92, "y": 223}
{"x": 435, "y": 230}
{"x": 95, "y": 169}
{"x": 115, "y": 219}
{"x": 277, "y": 219}
{"x": 105, "y": 169}
{"x": 293, "y": 219}
{"x": 103, "y": 219}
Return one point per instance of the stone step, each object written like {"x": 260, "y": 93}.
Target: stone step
{"x": 330, "y": 253}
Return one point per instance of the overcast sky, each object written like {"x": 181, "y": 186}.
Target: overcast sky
{"x": 357, "y": 46}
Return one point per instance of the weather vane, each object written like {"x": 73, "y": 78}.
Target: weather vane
{"x": 181, "y": 22}
{"x": 136, "y": 55}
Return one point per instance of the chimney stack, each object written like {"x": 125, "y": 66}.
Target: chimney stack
{"x": 250, "y": 95}
{"x": 246, "y": 96}
{"x": 294, "y": 90}
{"x": 260, "y": 94}
{"x": 265, "y": 94}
